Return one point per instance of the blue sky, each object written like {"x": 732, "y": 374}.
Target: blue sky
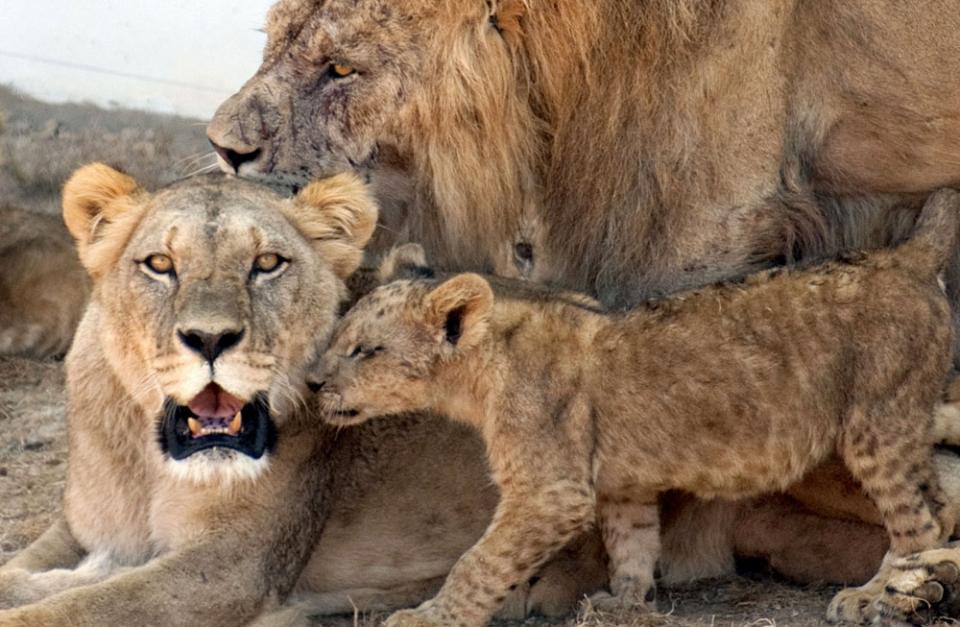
{"x": 199, "y": 51}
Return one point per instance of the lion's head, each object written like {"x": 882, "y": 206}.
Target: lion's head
{"x": 429, "y": 99}
{"x": 210, "y": 296}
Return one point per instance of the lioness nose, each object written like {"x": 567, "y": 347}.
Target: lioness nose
{"x": 210, "y": 345}
{"x": 235, "y": 158}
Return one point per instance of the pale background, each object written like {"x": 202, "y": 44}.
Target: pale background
{"x": 170, "y": 56}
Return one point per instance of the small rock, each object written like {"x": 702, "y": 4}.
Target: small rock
{"x": 3, "y": 471}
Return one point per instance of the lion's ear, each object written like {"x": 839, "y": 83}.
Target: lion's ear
{"x": 506, "y": 16}
{"x": 406, "y": 261}
{"x": 460, "y": 307}
{"x": 339, "y": 215}
{"x": 100, "y": 209}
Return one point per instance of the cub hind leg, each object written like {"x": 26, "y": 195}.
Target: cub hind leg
{"x": 887, "y": 448}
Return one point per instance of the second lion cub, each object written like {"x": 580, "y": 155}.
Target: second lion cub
{"x": 728, "y": 391}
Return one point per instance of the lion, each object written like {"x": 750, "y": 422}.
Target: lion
{"x": 727, "y": 392}
{"x": 627, "y": 149}
{"x": 189, "y": 445}
{"x": 43, "y": 288}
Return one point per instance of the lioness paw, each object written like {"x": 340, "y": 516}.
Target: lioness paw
{"x": 922, "y": 587}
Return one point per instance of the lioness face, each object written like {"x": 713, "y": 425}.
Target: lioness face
{"x": 343, "y": 81}
{"x": 399, "y": 347}
{"x": 212, "y": 296}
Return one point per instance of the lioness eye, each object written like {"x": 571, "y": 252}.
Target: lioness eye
{"x": 267, "y": 262}
{"x": 161, "y": 264}
{"x": 338, "y": 70}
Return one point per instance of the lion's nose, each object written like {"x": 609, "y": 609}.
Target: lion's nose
{"x": 315, "y": 386}
{"x": 235, "y": 158}
{"x": 210, "y": 345}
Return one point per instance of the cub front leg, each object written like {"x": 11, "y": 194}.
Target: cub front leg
{"x": 528, "y": 527}
{"x": 631, "y": 534}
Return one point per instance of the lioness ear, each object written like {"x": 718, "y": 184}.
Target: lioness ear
{"x": 460, "y": 307}
{"x": 100, "y": 210}
{"x": 339, "y": 215}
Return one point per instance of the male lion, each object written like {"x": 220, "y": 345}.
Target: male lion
{"x": 627, "y": 148}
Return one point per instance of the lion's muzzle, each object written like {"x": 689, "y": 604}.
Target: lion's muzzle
{"x": 185, "y": 430}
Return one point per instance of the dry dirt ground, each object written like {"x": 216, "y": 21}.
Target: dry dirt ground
{"x": 33, "y": 462}
{"x": 40, "y": 144}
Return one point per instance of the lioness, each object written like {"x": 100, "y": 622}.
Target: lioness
{"x": 728, "y": 392}
{"x": 193, "y": 474}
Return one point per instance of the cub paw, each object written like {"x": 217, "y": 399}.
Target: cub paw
{"x": 628, "y": 593}
{"x": 853, "y": 605}
{"x": 923, "y": 587}
{"x": 414, "y": 618}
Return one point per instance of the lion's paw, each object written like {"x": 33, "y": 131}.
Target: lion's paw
{"x": 922, "y": 587}
{"x": 15, "y": 589}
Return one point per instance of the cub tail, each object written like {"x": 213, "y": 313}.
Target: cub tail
{"x": 934, "y": 238}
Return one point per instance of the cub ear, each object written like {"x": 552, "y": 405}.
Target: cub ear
{"x": 460, "y": 308}
{"x": 101, "y": 208}
{"x": 339, "y": 215}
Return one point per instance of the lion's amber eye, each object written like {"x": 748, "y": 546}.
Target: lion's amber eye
{"x": 161, "y": 264}
{"x": 341, "y": 71}
{"x": 267, "y": 262}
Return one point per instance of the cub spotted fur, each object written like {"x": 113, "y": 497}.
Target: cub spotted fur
{"x": 729, "y": 391}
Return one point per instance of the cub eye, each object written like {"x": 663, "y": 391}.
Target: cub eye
{"x": 338, "y": 70}
{"x": 364, "y": 351}
{"x": 267, "y": 263}
{"x": 159, "y": 264}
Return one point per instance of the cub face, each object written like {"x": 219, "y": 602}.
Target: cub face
{"x": 390, "y": 351}
{"x": 210, "y": 297}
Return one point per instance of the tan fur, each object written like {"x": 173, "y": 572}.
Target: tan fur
{"x": 626, "y": 149}
{"x": 225, "y": 535}
{"x": 728, "y": 392}
{"x": 634, "y": 147}
{"x": 43, "y": 288}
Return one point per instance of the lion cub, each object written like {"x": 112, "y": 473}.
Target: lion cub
{"x": 728, "y": 391}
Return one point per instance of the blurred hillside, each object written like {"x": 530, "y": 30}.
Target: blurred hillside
{"x": 42, "y": 143}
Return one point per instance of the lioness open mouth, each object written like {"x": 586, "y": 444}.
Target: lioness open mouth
{"x": 216, "y": 419}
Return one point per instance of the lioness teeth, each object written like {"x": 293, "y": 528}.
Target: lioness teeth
{"x": 195, "y": 427}
{"x": 234, "y": 427}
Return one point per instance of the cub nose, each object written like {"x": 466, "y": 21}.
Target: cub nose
{"x": 210, "y": 345}
{"x": 235, "y": 158}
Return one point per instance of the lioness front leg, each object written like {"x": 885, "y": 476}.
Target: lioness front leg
{"x": 631, "y": 535}
{"x": 528, "y": 527}
{"x": 24, "y": 579}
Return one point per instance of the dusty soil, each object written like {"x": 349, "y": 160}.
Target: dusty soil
{"x": 33, "y": 462}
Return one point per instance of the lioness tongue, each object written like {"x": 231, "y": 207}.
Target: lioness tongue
{"x": 214, "y": 402}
